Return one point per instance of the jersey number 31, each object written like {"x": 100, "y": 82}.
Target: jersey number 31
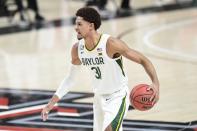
{"x": 97, "y": 71}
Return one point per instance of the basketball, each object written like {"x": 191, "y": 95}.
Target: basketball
{"x": 140, "y": 97}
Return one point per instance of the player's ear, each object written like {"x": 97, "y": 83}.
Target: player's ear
{"x": 92, "y": 25}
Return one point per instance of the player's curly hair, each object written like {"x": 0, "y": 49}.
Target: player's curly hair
{"x": 91, "y": 15}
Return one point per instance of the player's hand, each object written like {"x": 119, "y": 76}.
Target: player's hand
{"x": 44, "y": 113}
{"x": 155, "y": 96}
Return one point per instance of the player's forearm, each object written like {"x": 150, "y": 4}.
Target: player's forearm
{"x": 148, "y": 66}
{"x": 68, "y": 82}
{"x": 52, "y": 102}
{"x": 141, "y": 59}
{"x": 64, "y": 87}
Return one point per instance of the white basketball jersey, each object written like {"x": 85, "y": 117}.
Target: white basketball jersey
{"x": 107, "y": 73}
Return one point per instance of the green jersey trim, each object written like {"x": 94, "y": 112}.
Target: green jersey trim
{"x": 120, "y": 63}
{"x": 95, "y": 46}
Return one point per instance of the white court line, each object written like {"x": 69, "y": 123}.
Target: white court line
{"x": 4, "y": 107}
{"x": 173, "y": 53}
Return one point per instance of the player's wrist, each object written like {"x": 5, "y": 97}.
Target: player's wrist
{"x": 47, "y": 108}
{"x": 156, "y": 85}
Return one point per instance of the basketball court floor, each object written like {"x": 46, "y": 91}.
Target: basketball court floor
{"x": 35, "y": 57}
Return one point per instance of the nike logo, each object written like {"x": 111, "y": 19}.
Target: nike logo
{"x": 107, "y": 99}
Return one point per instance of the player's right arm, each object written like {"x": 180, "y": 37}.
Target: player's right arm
{"x": 65, "y": 85}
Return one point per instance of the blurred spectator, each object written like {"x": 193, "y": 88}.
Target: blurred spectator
{"x": 195, "y": 2}
{"x": 125, "y": 4}
{"x": 91, "y": 2}
{"x": 3, "y": 9}
{"x": 32, "y": 4}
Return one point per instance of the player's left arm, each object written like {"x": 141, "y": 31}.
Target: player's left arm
{"x": 118, "y": 46}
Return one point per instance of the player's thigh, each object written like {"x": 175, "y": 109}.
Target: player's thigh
{"x": 98, "y": 114}
{"x": 114, "y": 111}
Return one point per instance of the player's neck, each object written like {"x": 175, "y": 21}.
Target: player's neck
{"x": 92, "y": 40}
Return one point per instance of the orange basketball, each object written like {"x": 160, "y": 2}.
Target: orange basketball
{"x": 140, "y": 97}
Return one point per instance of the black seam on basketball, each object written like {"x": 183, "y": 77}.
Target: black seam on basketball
{"x": 135, "y": 90}
{"x": 139, "y": 89}
{"x": 143, "y": 103}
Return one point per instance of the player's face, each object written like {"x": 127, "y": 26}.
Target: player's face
{"x": 82, "y": 27}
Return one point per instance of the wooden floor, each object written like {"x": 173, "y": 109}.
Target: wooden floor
{"x": 39, "y": 59}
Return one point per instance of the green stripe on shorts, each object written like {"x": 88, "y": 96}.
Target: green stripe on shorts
{"x": 119, "y": 117}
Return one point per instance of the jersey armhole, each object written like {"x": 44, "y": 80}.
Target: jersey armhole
{"x": 112, "y": 59}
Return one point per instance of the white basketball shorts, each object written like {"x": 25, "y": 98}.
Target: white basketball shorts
{"x": 110, "y": 109}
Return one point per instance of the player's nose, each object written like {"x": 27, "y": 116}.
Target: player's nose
{"x": 76, "y": 28}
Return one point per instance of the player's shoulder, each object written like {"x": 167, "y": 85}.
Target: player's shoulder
{"x": 74, "y": 54}
{"x": 75, "y": 46}
{"x": 112, "y": 41}
{"x": 74, "y": 50}
{"x": 78, "y": 44}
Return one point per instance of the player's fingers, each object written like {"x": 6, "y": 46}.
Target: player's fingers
{"x": 155, "y": 97}
{"x": 152, "y": 99}
{"x": 149, "y": 88}
{"x": 44, "y": 115}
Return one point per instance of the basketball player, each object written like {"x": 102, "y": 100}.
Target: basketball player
{"x": 102, "y": 55}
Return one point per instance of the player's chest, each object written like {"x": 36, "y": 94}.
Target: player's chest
{"x": 90, "y": 58}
